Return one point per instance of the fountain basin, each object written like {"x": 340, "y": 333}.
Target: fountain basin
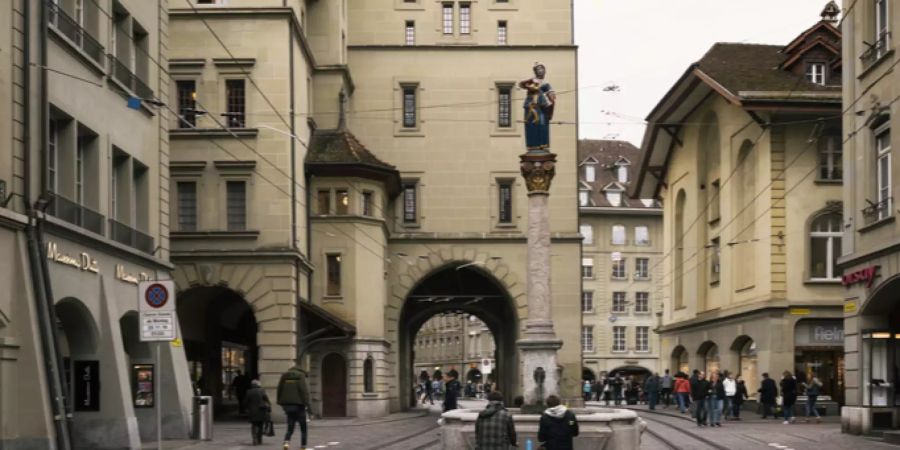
{"x": 600, "y": 428}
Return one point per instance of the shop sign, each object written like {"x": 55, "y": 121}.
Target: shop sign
{"x": 87, "y": 386}
{"x": 799, "y": 311}
{"x": 133, "y": 278}
{"x": 82, "y": 262}
{"x": 850, "y": 307}
{"x": 819, "y": 333}
{"x": 866, "y": 275}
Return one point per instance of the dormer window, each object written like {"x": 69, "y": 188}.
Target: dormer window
{"x": 815, "y": 73}
{"x": 590, "y": 174}
{"x": 582, "y": 198}
{"x": 614, "y": 198}
{"x": 622, "y": 173}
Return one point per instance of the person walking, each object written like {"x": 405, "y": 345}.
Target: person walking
{"x": 666, "y": 389}
{"x": 739, "y": 397}
{"x": 617, "y": 386}
{"x": 767, "y": 393}
{"x": 730, "y": 391}
{"x": 651, "y": 387}
{"x": 699, "y": 393}
{"x": 812, "y": 394}
{"x": 258, "y": 410}
{"x": 695, "y": 375}
{"x": 558, "y": 426}
{"x": 788, "y": 396}
{"x": 586, "y": 390}
{"x": 240, "y": 385}
{"x": 682, "y": 392}
{"x": 494, "y": 428}
{"x": 451, "y": 391}
{"x": 716, "y": 399}
{"x": 429, "y": 391}
{"x": 293, "y": 396}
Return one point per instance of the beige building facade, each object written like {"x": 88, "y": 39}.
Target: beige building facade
{"x": 744, "y": 153}
{"x": 869, "y": 256}
{"x": 455, "y": 342}
{"x": 621, "y": 267}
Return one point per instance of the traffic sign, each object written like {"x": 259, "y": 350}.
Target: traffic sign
{"x": 156, "y": 306}
{"x": 158, "y": 326}
{"x": 156, "y": 296}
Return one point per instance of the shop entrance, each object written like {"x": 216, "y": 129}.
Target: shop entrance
{"x": 819, "y": 352}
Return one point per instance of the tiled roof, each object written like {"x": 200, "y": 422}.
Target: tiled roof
{"x": 341, "y": 147}
{"x": 607, "y": 153}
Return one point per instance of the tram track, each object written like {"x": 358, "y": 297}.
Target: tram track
{"x": 707, "y": 443}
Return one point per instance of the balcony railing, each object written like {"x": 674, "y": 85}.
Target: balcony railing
{"x": 76, "y": 214}
{"x": 876, "y": 50}
{"x": 123, "y": 74}
{"x": 124, "y": 234}
{"x": 877, "y": 211}
{"x": 70, "y": 28}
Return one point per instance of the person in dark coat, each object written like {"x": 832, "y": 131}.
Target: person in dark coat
{"x": 494, "y": 429}
{"x": 767, "y": 393}
{"x": 293, "y": 396}
{"x": 617, "y": 387}
{"x": 258, "y": 408}
{"x": 451, "y": 388}
{"x": 693, "y": 384}
{"x": 700, "y": 390}
{"x": 240, "y": 385}
{"x": 788, "y": 396}
{"x": 652, "y": 386}
{"x": 739, "y": 397}
{"x": 558, "y": 426}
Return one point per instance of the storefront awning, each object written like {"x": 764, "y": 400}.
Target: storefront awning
{"x": 318, "y": 320}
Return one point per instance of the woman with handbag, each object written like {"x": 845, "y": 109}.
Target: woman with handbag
{"x": 258, "y": 410}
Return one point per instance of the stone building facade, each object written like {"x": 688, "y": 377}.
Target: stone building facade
{"x": 455, "y": 342}
{"x": 744, "y": 152}
{"x": 621, "y": 296}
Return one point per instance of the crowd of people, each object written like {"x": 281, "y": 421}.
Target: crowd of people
{"x": 447, "y": 388}
{"x": 710, "y": 400}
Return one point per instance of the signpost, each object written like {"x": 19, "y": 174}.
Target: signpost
{"x": 158, "y": 322}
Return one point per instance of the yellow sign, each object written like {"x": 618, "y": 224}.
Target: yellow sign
{"x": 799, "y": 311}
{"x": 850, "y": 307}
{"x": 177, "y": 343}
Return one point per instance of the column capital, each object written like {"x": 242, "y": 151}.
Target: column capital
{"x": 538, "y": 169}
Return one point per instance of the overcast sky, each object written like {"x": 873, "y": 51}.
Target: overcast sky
{"x": 643, "y": 46}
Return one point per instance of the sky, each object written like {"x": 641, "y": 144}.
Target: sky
{"x": 644, "y": 46}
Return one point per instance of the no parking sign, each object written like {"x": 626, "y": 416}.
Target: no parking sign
{"x": 156, "y": 304}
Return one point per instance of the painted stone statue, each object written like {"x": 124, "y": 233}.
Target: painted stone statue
{"x": 539, "y": 102}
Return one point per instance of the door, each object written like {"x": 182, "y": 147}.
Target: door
{"x": 334, "y": 386}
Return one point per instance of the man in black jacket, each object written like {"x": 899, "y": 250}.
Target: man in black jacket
{"x": 558, "y": 426}
{"x": 767, "y": 393}
{"x": 699, "y": 396}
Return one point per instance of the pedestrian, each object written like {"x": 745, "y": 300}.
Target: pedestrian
{"x": 767, "y": 393}
{"x": 812, "y": 394}
{"x": 617, "y": 386}
{"x": 258, "y": 410}
{"x": 451, "y": 391}
{"x": 699, "y": 393}
{"x": 597, "y": 388}
{"x": 651, "y": 387}
{"x": 666, "y": 389}
{"x": 436, "y": 388}
{"x": 586, "y": 390}
{"x": 494, "y": 429}
{"x": 558, "y": 426}
{"x": 429, "y": 391}
{"x": 716, "y": 399}
{"x": 788, "y": 396}
{"x": 682, "y": 391}
{"x": 730, "y": 391}
{"x": 293, "y": 396}
{"x": 693, "y": 383}
{"x": 240, "y": 385}
{"x": 739, "y": 397}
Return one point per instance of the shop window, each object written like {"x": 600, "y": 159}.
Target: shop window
{"x": 711, "y": 358}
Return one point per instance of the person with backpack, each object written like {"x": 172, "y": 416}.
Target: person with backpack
{"x": 812, "y": 394}
{"x": 494, "y": 428}
{"x": 258, "y": 410}
{"x": 558, "y": 426}
{"x": 293, "y": 396}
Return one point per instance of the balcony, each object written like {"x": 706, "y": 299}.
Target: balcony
{"x": 876, "y": 212}
{"x": 875, "y": 51}
{"x": 60, "y": 21}
{"x": 124, "y": 76}
{"x": 76, "y": 214}
{"x": 124, "y": 234}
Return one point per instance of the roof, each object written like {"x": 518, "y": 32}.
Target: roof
{"x": 604, "y": 154}
{"x": 338, "y": 152}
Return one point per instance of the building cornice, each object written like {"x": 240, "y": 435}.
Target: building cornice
{"x": 12, "y": 220}
{"x": 482, "y": 237}
{"x": 467, "y": 48}
{"x": 773, "y": 306}
{"x": 344, "y": 71}
{"x": 613, "y": 210}
{"x": 855, "y": 258}
{"x": 241, "y": 256}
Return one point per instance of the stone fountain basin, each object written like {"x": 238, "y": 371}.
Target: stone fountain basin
{"x": 600, "y": 428}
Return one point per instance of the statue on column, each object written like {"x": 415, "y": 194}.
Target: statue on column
{"x": 539, "y": 103}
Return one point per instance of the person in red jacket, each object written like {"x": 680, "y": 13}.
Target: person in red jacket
{"x": 682, "y": 391}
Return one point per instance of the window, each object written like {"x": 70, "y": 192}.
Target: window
{"x": 881, "y": 27}
{"x": 618, "y": 269}
{"x": 815, "y": 73}
{"x": 618, "y": 234}
{"x": 504, "y": 107}
{"x": 883, "y": 169}
{"x": 235, "y": 103}
{"x": 187, "y": 103}
{"x": 590, "y": 173}
{"x": 641, "y": 235}
{"x": 79, "y": 171}
{"x": 587, "y": 339}
{"x": 236, "y": 204}
{"x": 323, "y": 202}
{"x": 642, "y": 302}
{"x": 369, "y": 375}
{"x": 409, "y": 107}
{"x": 343, "y": 202}
{"x": 588, "y": 232}
{"x": 333, "y": 274}
{"x": 642, "y": 268}
{"x": 715, "y": 260}
{"x": 410, "y": 204}
{"x": 505, "y": 199}
{"x": 367, "y": 203}
{"x": 830, "y": 165}
{"x": 587, "y": 301}
{"x": 618, "y": 303}
{"x": 618, "y": 339}
{"x": 622, "y": 173}
{"x": 587, "y": 268}
{"x": 582, "y": 198}
{"x": 187, "y": 205}
{"x": 825, "y": 246}
{"x": 465, "y": 18}
{"x": 716, "y": 195}
{"x": 410, "y": 32}
{"x": 447, "y": 18}
{"x": 642, "y": 339}
{"x": 53, "y": 155}
{"x": 501, "y": 32}
{"x": 614, "y": 198}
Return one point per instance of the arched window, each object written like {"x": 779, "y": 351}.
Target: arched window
{"x": 824, "y": 246}
{"x": 369, "y": 375}
{"x": 618, "y": 234}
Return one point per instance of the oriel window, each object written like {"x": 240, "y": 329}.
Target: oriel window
{"x": 343, "y": 201}
{"x": 409, "y": 107}
{"x": 187, "y": 103}
{"x": 236, "y": 199}
{"x": 323, "y": 202}
{"x": 333, "y": 273}
{"x": 367, "y": 199}
{"x": 504, "y": 107}
{"x": 236, "y": 103}
{"x": 505, "y": 197}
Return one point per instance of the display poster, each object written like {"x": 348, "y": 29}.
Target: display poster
{"x": 144, "y": 385}
{"x": 87, "y": 385}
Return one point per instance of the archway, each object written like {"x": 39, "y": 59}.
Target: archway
{"x": 709, "y": 351}
{"x": 457, "y": 290}
{"x": 588, "y": 374}
{"x": 680, "y": 360}
{"x": 78, "y": 343}
{"x": 219, "y": 330}
{"x": 635, "y": 373}
{"x": 334, "y": 386}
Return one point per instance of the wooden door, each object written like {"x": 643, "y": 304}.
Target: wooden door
{"x": 334, "y": 386}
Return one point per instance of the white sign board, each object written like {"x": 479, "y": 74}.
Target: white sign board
{"x": 156, "y": 304}
{"x": 486, "y": 367}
